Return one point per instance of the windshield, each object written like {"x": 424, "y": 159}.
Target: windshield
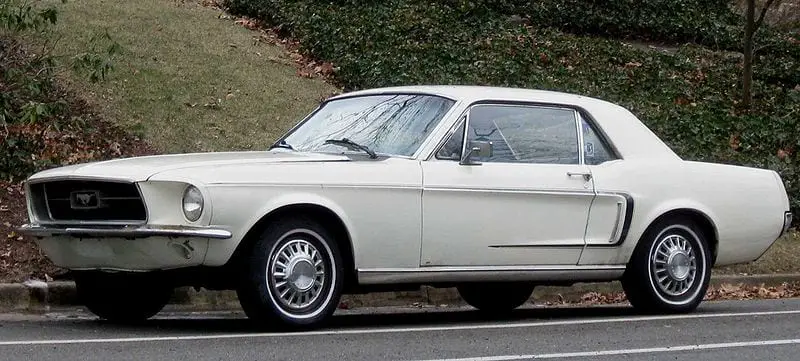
{"x": 394, "y": 124}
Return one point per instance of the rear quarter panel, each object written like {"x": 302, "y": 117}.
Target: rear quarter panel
{"x": 745, "y": 205}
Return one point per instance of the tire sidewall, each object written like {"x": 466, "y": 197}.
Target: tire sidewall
{"x": 264, "y": 252}
{"x": 699, "y": 245}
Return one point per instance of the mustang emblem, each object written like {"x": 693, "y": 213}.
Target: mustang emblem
{"x": 84, "y": 199}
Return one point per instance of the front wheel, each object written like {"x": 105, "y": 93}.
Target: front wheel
{"x": 293, "y": 274}
{"x": 670, "y": 270}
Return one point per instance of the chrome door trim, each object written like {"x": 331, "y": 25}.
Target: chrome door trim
{"x": 595, "y": 273}
{"x": 511, "y": 190}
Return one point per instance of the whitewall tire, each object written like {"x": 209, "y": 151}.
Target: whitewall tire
{"x": 293, "y": 274}
{"x": 670, "y": 269}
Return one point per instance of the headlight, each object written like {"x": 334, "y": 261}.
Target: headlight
{"x": 192, "y": 203}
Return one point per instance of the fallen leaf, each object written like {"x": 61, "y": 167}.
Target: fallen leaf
{"x": 633, "y": 64}
{"x": 734, "y": 142}
{"x": 682, "y": 101}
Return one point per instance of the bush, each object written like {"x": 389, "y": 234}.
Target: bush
{"x": 41, "y": 125}
{"x": 687, "y": 97}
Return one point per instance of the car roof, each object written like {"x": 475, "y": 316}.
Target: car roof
{"x": 470, "y": 93}
{"x": 630, "y": 136}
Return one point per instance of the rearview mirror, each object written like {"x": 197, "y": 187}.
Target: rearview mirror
{"x": 477, "y": 148}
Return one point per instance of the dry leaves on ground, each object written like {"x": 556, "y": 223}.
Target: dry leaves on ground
{"x": 714, "y": 293}
{"x": 307, "y": 67}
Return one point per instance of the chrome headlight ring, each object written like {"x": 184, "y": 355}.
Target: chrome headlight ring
{"x": 192, "y": 203}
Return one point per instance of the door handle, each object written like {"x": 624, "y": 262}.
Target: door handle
{"x": 586, "y": 175}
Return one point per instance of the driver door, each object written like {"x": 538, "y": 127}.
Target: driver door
{"x": 521, "y": 198}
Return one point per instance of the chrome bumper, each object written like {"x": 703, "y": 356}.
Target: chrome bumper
{"x": 787, "y": 222}
{"x": 130, "y": 232}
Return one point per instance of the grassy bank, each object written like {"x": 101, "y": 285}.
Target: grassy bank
{"x": 186, "y": 78}
{"x": 189, "y": 78}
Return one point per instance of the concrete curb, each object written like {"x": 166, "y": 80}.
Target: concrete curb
{"x": 40, "y": 297}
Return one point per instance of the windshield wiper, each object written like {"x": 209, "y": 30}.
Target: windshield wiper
{"x": 352, "y": 145}
{"x": 282, "y": 144}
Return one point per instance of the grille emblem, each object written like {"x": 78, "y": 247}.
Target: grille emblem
{"x": 84, "y": 200}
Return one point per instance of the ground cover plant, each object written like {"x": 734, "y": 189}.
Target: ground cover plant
{"x": 689, "y": 94}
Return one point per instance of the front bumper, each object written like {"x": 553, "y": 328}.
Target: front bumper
{"x": 124, "y": 248}
{"x": 126, "y": 232}
{"x": 94, "y": 247}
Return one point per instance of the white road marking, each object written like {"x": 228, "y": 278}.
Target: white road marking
{"x": 709, "y": 346}
{"x": 400, "y": 329}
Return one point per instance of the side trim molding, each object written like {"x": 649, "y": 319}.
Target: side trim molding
{"x": 595, "y": 273}
{"x": 626, "y": 222}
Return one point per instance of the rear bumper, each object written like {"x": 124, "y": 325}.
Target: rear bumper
{"x": 125, "y": 232}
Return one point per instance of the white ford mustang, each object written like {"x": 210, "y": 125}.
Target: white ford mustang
{"x": 490, "y": 190}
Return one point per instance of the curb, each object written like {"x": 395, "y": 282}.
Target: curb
{"x": 39, "y": 297}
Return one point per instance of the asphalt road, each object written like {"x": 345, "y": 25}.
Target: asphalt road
{"x": 729, "y": 331}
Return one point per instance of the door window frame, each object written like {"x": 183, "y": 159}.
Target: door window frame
{"x": 579, "y": 114}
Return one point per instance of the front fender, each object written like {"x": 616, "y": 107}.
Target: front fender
{"x": 242, "y": 215}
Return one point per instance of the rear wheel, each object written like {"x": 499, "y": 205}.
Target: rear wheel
{"x": 122, "y": 298}
{"x": 496, "y": 298}
{"x": 293, "y": 274}
{"x": 670, "y": 269}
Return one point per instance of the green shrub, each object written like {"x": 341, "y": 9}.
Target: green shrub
{"x": 674, "y": 21}
{"x": 688, "y": 98}
{"x": 40, "y": 126}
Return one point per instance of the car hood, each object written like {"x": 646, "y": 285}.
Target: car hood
{"x": 141, "y": 168}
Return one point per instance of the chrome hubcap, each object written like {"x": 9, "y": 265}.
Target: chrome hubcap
{"x": 674, "y": 265}
{"x": 298, "y": 274}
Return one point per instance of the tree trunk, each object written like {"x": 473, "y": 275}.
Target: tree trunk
{"x": 747, "y": 75}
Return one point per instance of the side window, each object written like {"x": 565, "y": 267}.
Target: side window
{"x": 519, "y": 134}
{"x": 595, "y": 150}
{"x": 451, "y": 149}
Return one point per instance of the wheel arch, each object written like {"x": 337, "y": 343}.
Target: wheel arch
{"x": 329, "y": 218}
{"x": 701, "y": 218}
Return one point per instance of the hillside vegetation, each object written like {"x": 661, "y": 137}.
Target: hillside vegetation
{"x": 89, "y": 80}
{"x": 119, "y": 79}
{"x": 687, "y": 90}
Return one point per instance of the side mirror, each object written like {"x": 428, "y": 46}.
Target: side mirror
{"x": 479, "y": 148}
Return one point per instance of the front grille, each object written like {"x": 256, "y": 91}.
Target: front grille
{"x": 81, "y": 200}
